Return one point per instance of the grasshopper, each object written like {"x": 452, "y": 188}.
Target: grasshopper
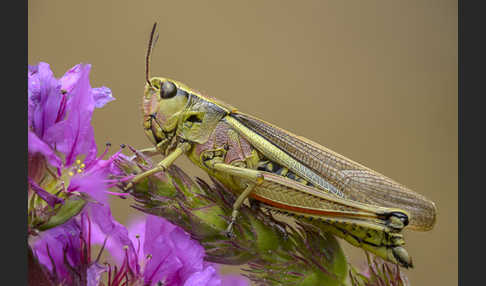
{"x": 279, "y": 170}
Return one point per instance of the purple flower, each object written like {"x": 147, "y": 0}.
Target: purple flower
{"x": 207, "y": 277}
{"x": 234, "y": 280}
{"x": 166, "y": 253}
{"x": 69, "y": 243}
{"x": 175, "y": 257}
{"x": 59, "y": 134}
{"x": 63, "y": 165}
{"x": 59, "y": 113}
{"x": 65, "y": 251}
{"x": 59, "y": 248}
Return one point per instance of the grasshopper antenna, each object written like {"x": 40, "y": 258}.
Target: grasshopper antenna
{"x": 149, "y": 52}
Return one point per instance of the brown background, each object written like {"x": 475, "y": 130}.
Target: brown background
{"x": 373, "y": 80}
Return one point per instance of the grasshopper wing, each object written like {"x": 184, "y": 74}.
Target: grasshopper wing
{"x": 355, "y": 181}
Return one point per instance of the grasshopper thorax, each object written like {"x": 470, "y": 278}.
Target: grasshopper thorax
{"x": 172, "y": 110}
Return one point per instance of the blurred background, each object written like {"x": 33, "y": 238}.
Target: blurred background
{"x": 373, "y": 80}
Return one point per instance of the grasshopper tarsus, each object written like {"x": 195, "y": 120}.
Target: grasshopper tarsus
{"x": 229, "y": 233}
{"x": 128, "y": 187}
{"x": 401, "y": 255}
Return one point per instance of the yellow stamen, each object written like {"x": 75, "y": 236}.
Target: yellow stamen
{"x": 78, "y": 161}
{"x": 82, "y": 165}
{"x": 79, "y": 170}
{"x": 71, "y": 174}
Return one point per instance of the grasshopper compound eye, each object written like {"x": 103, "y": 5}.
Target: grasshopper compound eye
{"x": 168, "y": 90}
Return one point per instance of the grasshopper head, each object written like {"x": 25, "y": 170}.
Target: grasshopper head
{"x": 163, "y": 102}
{"x": 172, "y": 110}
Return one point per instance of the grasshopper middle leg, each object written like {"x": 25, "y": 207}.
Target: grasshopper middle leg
{"x": 236, "y": 207}
{"x": 254, "y": 178}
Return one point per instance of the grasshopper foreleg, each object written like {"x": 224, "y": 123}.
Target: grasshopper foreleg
{"x": 150, "y": 152}
{"x": 156, "y": 150}
{"x": 162, "y": 165}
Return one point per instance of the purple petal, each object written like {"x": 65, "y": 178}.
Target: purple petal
{"x": 48, "y": 108}
{"x": 113, "y": 247}
{"x": 229, "y": 279}
{"x": 33, "y": 92}
{"x": 171, "y": 248}
{"x": 189, "y": 251}
{"x": 46, "y": 103}
{"x": 156, "y": 244}
{"x": 207, "y": 277}
{"x": 74, "y": 136}
{"x": 94, "y": 179}
{"x": 162, "y": 269}
{"x": 70, "y": 78}
{"x": 30, "y": 109}
{"x": 94, "y": 185}
{"x": 136, "y": 228}
{"x": 49, "y": 198}
{"x": 33, "y": 83}
{"x": 234, "y": 280}
{"x": 102, "y": 95}
{"x": 104, "y": 225}
{"x": 53, "y": 242}
{"x": 105, "y": 166}
{"x": 36, "y": 145}
{"x": 94, "y": 274}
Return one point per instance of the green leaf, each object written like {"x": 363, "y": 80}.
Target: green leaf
{"x": 71, "y": 207}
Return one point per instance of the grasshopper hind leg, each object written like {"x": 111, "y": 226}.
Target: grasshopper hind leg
{"x": 381, "y": 242}
{"x": 380, "y": 235}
